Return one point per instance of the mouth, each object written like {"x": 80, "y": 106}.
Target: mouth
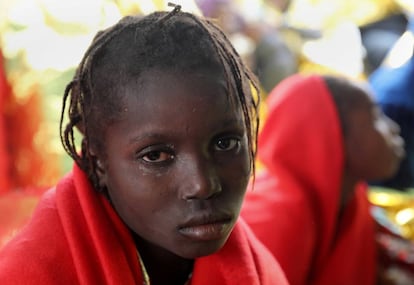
{"x": 400, "y": 152}
{"x": 207, "y": 228}
{"x": 399, "y": 148}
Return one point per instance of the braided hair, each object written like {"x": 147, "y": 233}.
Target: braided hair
{"x": 176, "y": 41}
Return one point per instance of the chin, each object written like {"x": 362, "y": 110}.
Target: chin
{"x": 200, "y": 250}
{"x": 386, "y": 175}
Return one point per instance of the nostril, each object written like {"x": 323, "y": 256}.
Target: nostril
{"x": 215, "y": 191}
{"x": 202, "y": 189}
{"x": 201, "y": 180}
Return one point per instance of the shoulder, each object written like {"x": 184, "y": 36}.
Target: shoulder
{"x": 273, "y": 201}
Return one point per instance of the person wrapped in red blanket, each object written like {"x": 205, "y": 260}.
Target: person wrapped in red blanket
{"x": 167, "y": 118}
{"x": 76, "y": 237}
{"x": 322, "y": 138}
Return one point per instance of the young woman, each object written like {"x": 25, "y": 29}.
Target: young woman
{"x": 168, "y": 125}
{"x": 322, "y": 138}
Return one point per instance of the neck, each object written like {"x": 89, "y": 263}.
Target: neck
{"x": 348, "y": 185}
{"x": 162, "y": 266}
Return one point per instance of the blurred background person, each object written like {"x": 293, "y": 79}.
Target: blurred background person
{"x": 324, "y": 137}
{"x": 393, "y": 85}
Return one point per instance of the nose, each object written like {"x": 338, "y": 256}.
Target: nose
{"x": 202, "y": 181}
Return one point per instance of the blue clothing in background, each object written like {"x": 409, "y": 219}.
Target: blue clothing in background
{"x": 394, "y": 91}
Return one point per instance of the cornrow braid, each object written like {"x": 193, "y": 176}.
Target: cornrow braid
{"x": 77, "y": 90}
{"x": 164, "y": 40}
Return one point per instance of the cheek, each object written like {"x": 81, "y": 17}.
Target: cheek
{"x": 360, "y": 153}
{"x": 237, "y": 174}
{"x": 145, "y": 206}
{"x": 370, "y": 157}
{"x": 132, "y": 195}
{"x": 126, "y": 199}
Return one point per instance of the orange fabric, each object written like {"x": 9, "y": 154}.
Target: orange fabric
{"x": 33, "y": 163}
{"x": 24, "y": 170}
{"x": 15, "y": 210}
{"x": 75, "y": 237}
{"x": 294, "y": 205}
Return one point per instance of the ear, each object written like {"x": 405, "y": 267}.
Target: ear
{"x": 100, "y": 168}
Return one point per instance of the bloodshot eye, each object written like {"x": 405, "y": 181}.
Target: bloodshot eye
{"x": 157, "y": 156}
{"x": 227, "y": 144}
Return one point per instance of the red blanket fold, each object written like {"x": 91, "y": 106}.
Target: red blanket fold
{"x": 294, "y": 206}
{"x": 75, "y": 237}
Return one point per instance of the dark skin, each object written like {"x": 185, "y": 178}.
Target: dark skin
{"x": 373, "y": 146}
{"x": 176, "y": 167}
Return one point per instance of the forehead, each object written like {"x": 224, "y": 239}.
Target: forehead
{"x": 172, "y": 100}
{"x": 360, "y": 110}
{"x": 157, "y": 88}
{"x": 362, "y": 99}
{"x": 364, "y": 94}
{"x": 353, "y": 97}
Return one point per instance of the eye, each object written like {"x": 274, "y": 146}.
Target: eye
{"x": 156, "y": 156}
{"x": 227, "y": 144}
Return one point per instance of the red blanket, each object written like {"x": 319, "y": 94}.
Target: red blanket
{"x": 294, "y": 206}
{"x": 75, "y": 237}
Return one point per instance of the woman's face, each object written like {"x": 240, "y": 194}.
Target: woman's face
{"x": 373, "y": 144}
{"x": 176, "y": 163}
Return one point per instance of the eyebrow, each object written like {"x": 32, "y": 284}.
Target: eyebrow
{"x": 151, "y": 135}
{"x": 156, "y": 135}
{"x": 233, "y": 122}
